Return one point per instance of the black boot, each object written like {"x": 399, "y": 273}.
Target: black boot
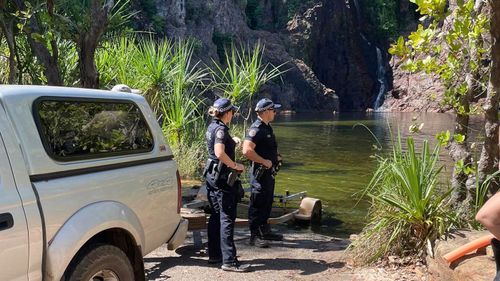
{"x": 235, "y": 266}
{"x": 257, "y": 241}
{"x": 267, "y": 234}
{"x": 495, "y": 245}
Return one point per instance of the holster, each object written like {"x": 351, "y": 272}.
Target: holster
{"x": 276, "y": 167}
{"x": 241, "y": 191}
{"x": 231, "y": 178}
{"x": 258, "y": 170}
{"x": 213, "y": 169}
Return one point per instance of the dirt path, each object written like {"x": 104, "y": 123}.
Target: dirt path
{"x": 301, "y": 256}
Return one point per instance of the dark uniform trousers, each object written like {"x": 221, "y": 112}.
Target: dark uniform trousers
{"x": 261, "y": 201}
{"x": 223, "y": 205}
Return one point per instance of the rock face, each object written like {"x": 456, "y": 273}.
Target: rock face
{"x": 327, "y": 37}
{"x": 326, "y": 47}
{"x": 473, "y": 267}
{"x": 216, "y": 24}
{"x": 417, "y": 92}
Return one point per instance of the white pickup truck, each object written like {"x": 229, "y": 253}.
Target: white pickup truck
{"x": 88, "y": 185}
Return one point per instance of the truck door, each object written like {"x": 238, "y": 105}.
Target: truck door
{"x": 13, "y": 231}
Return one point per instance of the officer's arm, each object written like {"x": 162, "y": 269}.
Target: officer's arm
{"x": 249, "y": 152}
{"x": 222, "y": 156}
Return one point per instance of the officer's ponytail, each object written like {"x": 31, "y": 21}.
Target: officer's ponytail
{"x": 214, "y": 112}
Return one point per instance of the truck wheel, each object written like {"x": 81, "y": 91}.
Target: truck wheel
{"x": 102, "y": 263}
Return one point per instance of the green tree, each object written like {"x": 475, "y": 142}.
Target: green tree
{"x": 84, "y": 22}
{"x": 458, "y": 33}
{"x": 7, "y": 26}
{"x": 489, "y": 155}
{"x": 31, "y": 20}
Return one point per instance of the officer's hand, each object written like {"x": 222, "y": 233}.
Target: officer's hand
{"x": 267, "y": 163}
{"x": 239, "y": 167}
{"x": 237, "y": 141}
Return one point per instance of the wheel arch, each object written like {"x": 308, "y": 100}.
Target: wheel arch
{"x": 106, "y": 222}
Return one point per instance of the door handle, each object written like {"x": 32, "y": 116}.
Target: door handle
{"x": 6, "y": 221}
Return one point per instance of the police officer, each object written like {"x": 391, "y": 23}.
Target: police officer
{"x": 222, "y": 197}
{"x": 261, "y": 148}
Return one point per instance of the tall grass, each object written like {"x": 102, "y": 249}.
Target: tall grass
{"x": 409, "y": 205}
{"x": 68, "y": 63}
{"x": 115, "y": 62}
{"x": 244, "y": 74}
{"x": 171, "y": 81}
{"x": 180, "y": 104}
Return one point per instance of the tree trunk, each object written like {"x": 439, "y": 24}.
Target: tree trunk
{"x": 6, "y": 28}
{"x": 48, "y": 60}
{"x": 89, "y": 76}
{"x": 87, "y": 43}
{"x": 489, "y": 154}
{"x": 460, "y": 152}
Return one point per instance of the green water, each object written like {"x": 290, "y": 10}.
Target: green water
{"x": 330, "y": 158}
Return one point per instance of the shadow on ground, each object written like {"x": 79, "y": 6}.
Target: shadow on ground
{"x": 191, "y": 256}
{"x": 304, "y": 266}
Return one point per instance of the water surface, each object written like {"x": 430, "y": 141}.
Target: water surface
{"x": 331, "y": 157}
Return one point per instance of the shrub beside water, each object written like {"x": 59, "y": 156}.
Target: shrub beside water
{"x": 409, "y": 205}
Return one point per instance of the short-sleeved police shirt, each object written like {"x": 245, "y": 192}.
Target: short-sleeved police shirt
{"x": 218, "y": 132}
{"x": 261, "y": 134}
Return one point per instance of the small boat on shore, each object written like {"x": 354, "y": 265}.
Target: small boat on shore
{"x": 196, "y": 210}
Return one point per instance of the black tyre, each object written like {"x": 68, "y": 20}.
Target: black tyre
{"x": 102, "y": 263}
{"x": 316, "y": 213}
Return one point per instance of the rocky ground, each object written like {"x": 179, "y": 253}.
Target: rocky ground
{"x": 301, "y": 256}
{"x": 476, "y": 266}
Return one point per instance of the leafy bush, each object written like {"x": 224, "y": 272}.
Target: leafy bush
{"x": 4, "y": 61}
{"x": 196, "y": 11}
{"x": 283, "y": 11}
{"x": 253, "y": 11}
{"x": 222, "y": 41}
{"x": 409, "y": 205}
{"x": 189, "y": 157}
{"x": 383, "y": 15}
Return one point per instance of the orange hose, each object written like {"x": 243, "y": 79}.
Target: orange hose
{"x": 467, "y": 248}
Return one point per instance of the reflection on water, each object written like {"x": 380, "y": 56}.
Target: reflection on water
{"x": 330, "y": 157}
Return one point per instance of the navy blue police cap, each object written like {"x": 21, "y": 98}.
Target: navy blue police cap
{"x": 223, "y": 105}
{"x": 265, "y": 104}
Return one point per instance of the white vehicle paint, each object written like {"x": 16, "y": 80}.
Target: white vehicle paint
{"x": 56, "y": 208}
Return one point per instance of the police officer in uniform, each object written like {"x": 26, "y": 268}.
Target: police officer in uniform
{"x": 261, "y": 148}
{"x": 222, "y": 197}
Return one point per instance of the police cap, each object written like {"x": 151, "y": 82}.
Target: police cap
{"x": 265, "y": 104}
{"x": 222, "y": 105}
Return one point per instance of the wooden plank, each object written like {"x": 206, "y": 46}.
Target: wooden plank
{"x": 283, "y": 218}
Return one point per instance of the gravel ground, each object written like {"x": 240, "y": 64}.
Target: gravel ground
{"x": 302, "y": 255}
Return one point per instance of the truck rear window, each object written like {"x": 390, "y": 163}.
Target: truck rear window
{"x": 81, "y": 129}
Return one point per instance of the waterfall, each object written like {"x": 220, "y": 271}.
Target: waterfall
{"x": 356, "y": 7}
{"x": 381, "y": 80}
{"x": 380, "y": 63}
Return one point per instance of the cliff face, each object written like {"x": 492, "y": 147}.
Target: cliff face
{"x": 215, "y": 24}
{"x": 417, "y": 92}
{"x": 328, "y": 37}
{"x": 333, "y": 60}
